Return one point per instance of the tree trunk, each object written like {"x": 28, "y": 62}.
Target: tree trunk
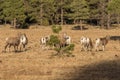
{"x": 56, "y": 19}
{"x": 74, "y": 22}
{"x": 118, "y": 19}
{"x": 41, "y": 14}
{"x": 102, "y": 13}
{"x": 52, "y": 22}
{"x": 5, "y": 21}
{"x": 108, "y": 21}
{"x": 14, "y": 22}
{"x": 81, "y": 27}
{"x": 25, "y": 5}
{"x": 102, "y": 24}
{"x": 61, "y": 16}
{"x": 62, "y": 13}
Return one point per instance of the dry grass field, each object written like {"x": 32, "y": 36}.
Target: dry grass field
{"x": 37, "y": 64}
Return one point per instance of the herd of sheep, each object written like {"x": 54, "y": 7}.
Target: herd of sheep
{"x": 20, "y": 41}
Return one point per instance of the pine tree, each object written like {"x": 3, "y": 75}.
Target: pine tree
{"x": 43, "y": 10}
{"x": 79, "y": 11}
{"x": 1, "y": 9}
{"x": 114, "y": 9}
{"x": 13, "y": 10}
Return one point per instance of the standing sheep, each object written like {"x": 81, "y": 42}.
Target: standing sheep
{"x": 101, "y": 42}
{"x": 43, "y": 41}
{"x": 13, "y": 41}
{"x": 23, "y": 41}
{"x": 86, "y": 43}
{"x": 20, "y": 39}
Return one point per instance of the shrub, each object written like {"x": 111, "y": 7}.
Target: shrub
{"x": 56, "y": 29}
{"x": 45, "y": 22}
{"x": 53, "y": 40}
{"x": 24, "y": 26}
{"x": 66, "y": 49}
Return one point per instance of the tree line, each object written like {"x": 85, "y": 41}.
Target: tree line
{"x": 52, "y": 12}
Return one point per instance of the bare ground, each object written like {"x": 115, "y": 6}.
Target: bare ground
{"x": 37, "y": 64}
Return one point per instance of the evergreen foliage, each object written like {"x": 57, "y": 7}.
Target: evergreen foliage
{"x": 53, "y": 40}
{"x": 50, "y": 12}
{"x": 56, "y": 29}
{"x": 56, "y": 42}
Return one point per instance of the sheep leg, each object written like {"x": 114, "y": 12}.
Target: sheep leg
{"x": 96, "y": 47}
{"x": 24, "y": 47}
{"x": 6, "y": 46}
{"x": 43, "y": 46}
{"x": 82, "y": 48}
{"x": 86, "y": 48}
{"x": 15, "y": 48}
{"x": 89, "y": 47}
{"x": 20, "y": 46}
{"x": 103, "y": 48}
{"x": 9, "y": 47}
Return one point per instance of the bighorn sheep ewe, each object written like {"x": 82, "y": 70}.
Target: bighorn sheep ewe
{"x": 13, "y": 41}
{"x": 23, "y": 41}
{"x": 20, "y": 39}
{"x": 86, "y": 43}
{"x": 43, "y": 41}
{"x": 67, "y": 38}
{"x": 101, "y": 42}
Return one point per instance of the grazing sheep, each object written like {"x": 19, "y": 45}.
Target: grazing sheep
{"x": 86, "y": 43}
{"x": 101, "y": 42}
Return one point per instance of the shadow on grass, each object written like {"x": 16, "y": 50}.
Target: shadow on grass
{"x": 18, "y": 51}
{"x": 107, "y": 70}
{"x": 79, "y": 28}
{"x": 114, "y": 37}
